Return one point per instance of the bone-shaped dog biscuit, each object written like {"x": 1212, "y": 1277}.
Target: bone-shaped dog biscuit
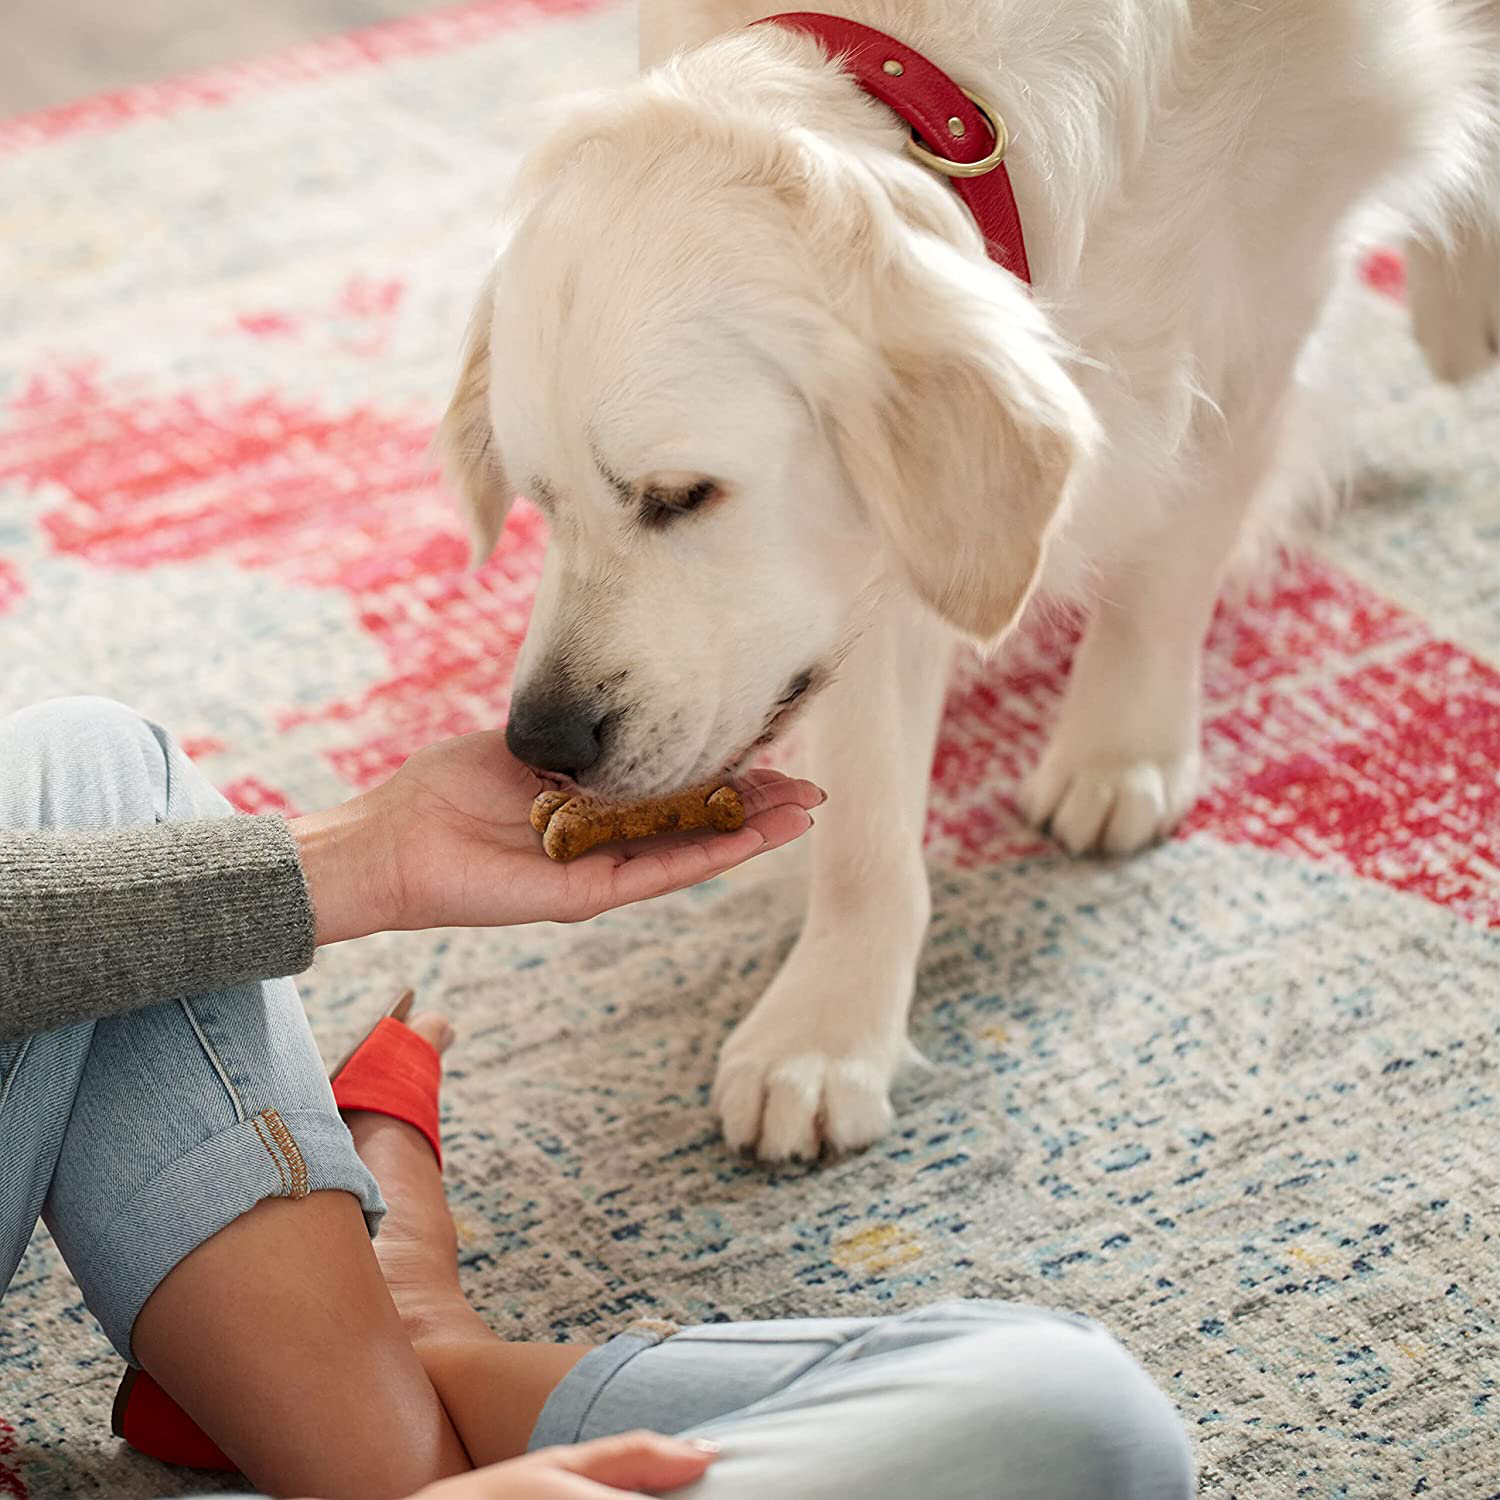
{"x": 571, "y": 824}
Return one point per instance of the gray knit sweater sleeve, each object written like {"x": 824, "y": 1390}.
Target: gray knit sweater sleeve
{"x": 95, "y": 923}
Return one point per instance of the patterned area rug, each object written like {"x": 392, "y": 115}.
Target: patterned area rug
{"x": 1237, "y": 1098}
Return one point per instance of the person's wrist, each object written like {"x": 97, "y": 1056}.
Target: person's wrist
{"x": 346, "y": 863}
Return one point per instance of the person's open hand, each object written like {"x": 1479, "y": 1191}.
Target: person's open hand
{"x": 448, "y": 842}
{"x": 635, "y": 1463}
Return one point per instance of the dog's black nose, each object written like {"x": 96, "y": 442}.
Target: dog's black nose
{"x": 551, "y": 734}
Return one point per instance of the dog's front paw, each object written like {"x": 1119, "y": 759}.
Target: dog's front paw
{"x": 1108, "y": 804}
{"x": 786, "y": 1102}
{"x": 812, "y": 1064}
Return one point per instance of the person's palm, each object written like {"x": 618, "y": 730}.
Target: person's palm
{"x": 464, "y": 852}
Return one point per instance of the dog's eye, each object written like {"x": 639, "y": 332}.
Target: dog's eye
{"x": 660, "y": 507}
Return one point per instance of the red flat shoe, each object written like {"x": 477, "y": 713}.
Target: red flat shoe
{"x": 394, "y": 1072}
{"x": 151, "y": 1422}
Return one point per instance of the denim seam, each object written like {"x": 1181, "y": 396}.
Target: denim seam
{"x": 164, "y": 743}
{"x": 212, "y": 1054}
{"x": 292, "y": 1151}
{"x": 258, "y": 1126}
{"x": 13, "y": 1070}
{"x": 768, "y": 1343}
{"x": 604, "y": 1385}
{"x": 285, "y": 1152}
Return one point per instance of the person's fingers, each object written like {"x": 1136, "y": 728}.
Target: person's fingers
{"x": 638, "y": 870}
{"x": 693, "y": 861}
{"x": 680, "y": 865}
{"x": 575, "y": 1487}
{"x": 636, "y": 1461}
{"x": 662, "y": 842}
{"x": 529, "y": 1478}
{"x": 756, "y": 775}
{"x": 781, "y": 825}
{"x": 761, "y": 776}
{"x": 783, "y": 791}
{"x": 786, "y": 793}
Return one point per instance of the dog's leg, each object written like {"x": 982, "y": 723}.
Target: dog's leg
{"x": 1123, "y": 762}
{"x": 814, "y": 1060}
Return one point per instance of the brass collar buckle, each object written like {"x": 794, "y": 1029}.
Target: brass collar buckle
{"x": 980, "y": 168}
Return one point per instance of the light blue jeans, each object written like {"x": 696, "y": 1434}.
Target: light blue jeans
{"x": 138, "y": 1137}
{"x": 957, "y": 1401}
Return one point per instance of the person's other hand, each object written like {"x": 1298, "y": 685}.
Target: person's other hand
{"x": 448, "y": 842}
{"x": 635, "y": 1463}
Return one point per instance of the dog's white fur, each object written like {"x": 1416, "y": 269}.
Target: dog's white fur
{"x": 732, "y": 271}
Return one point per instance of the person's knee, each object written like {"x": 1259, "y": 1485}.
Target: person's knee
{"x": 81, "y": 763}
{"x": 1067, "y": 1407}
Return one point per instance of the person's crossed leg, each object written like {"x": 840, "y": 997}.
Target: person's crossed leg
{"x": 196, "y": 1176}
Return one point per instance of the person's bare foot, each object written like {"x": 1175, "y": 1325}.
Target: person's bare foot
{"x": 417, "y": 1245}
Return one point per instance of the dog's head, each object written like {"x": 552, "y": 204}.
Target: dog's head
{"x": 753, "y": 378}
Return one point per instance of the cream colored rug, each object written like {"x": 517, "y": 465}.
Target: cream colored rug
{"x": 1237, "y": 1098}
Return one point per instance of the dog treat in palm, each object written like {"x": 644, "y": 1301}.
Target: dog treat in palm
{"x": 572, "y": 824}
{"x": 545, "y": 805}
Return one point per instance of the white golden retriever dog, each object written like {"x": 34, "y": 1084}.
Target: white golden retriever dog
{"x": 797, "y": 436}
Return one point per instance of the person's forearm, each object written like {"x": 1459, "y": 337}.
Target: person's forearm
{"x": 96, "y": 923}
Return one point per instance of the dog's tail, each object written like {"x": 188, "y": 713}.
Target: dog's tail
{"x": 1453, "y": 269}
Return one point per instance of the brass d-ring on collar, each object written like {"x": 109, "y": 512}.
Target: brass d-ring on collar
{"x": 969, "y": 168}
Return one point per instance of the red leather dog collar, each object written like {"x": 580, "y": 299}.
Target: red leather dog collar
{"x": 961, "y": 135}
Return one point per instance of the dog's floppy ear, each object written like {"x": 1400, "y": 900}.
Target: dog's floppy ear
{"x": 466, "y": 439}
{"x": 964, "y": 443}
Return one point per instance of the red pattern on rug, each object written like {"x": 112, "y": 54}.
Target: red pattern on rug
{"x": 11, "y": 587}
{"x": 250, "y": 794}
{"x": 11, "y": 1483}
{"x": 201, "y": 746}
{"x": 1337, "y": 726}
{"x": 371, "y": 46}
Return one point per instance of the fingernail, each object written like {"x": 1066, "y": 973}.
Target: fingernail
{"x": 822, "y": 796}
{"x": 704, "y": 1446}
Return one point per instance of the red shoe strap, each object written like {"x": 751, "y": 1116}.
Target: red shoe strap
{"x": 395, "y": 1072}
